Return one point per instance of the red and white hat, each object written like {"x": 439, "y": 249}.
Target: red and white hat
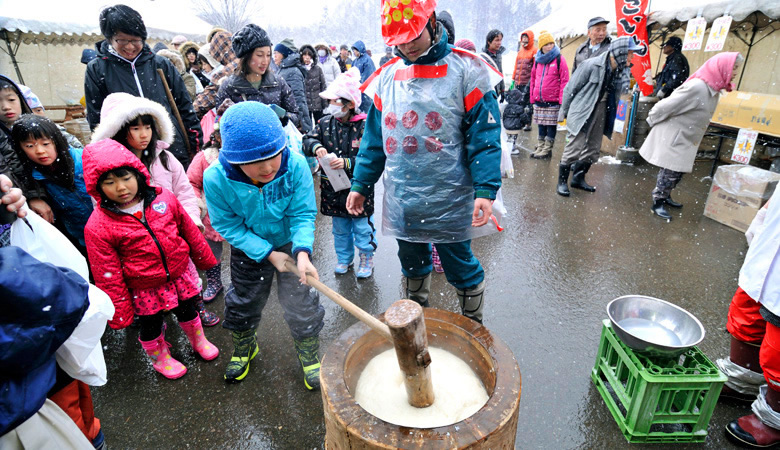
{"x": 404, "y": 20}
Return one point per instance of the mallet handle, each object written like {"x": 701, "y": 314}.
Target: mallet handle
{"x": 374, "y": 323}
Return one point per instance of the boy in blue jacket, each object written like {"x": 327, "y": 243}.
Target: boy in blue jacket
{"x": 260, "y": 198}
{"x": 434, "y": 131}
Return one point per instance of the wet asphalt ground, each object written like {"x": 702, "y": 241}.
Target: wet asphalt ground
{"x": 550, "y": 275}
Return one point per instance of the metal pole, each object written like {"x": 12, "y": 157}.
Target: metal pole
{"x": 747, "y": 55}
{"x": 12, "y": 54}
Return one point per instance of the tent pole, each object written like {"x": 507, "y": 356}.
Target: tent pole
{"x": 12, "y": 54}
{"x": 747, "y": 55}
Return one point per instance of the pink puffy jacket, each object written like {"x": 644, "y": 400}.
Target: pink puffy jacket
{"x": 547, "y": 81}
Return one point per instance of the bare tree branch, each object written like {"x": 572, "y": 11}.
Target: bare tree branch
{"x": 231, "y": 15}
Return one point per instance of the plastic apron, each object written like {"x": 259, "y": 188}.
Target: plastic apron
{"x": 429, "y": 194}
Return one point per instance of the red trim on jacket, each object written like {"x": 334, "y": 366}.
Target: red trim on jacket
{"x": 472, "y": 99}
{"x": 415, "y": 71}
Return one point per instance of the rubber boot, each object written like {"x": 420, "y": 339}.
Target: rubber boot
{"x": 162, "y": 361}
{"x": 743, "y": 354}
{"x": 418, "y": 289}
{"x": 208, "y": 318}
{"x": 366, "y": 267}
{"x": 194, "y": 331}
{"x": 579, "y": 169}
{"x": 244, "y": 350}
{"x": 213, "y": 283}
{"x": 308, "y": 349}
{"x": 672, "y": 203}
{"x": 436, "y": 260}
{"x": 472, "y": 301}
{"x": 659, "y": 209}
{"x": 750, "y": 431}
{"x": 563, "y": 179}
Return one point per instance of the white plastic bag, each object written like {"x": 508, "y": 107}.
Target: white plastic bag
{"x": 46, "y": 244}
{"x": 337, "y": 177}
{"x": 81, "y": 356}
{"x": 507, "y": 169}
{"x": 295, "y": 144}
{"x": 494, "y": 224}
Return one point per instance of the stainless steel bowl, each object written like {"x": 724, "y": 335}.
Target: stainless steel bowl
{"x": 654, "y": 326}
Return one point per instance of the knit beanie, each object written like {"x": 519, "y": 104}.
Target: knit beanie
{"x": 249, "y": 38}
{"x": 251, "y": 132}
{"x": 346, "y": 85}
{"x": 466, "y": 45}
{"x": 545, "y": 38}
{"x": 286, "y": 47}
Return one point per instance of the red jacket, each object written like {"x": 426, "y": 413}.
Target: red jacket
{"x": 127, "y": 253}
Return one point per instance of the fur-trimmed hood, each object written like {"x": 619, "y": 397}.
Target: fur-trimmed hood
{"x": 120, "y": 108}
{"x": 175, "y": 58}
{"x": 187, "y": 46}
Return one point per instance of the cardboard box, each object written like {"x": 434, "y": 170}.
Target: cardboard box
{"x": 737, "y": 193}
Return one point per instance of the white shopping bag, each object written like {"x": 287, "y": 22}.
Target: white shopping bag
{"x": 81, "y": 356}
{"x": 295, "y": 143}
{"x": 507, "y": 169}
{"x": 494, "y": 224}
{"x": 337, "y": 177}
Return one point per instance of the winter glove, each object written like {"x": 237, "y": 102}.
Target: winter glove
{"x": 194, "y": 138}
{"x": 512, "y": 86}
{"x": 123, "y": 315}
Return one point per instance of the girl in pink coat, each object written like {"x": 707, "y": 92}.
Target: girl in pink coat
{"x": 144, "y": 127}
{"x": 549, "y": 75}
{"x": 143, "y": 249}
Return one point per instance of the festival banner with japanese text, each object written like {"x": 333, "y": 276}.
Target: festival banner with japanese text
{"x": 632, "y": 21}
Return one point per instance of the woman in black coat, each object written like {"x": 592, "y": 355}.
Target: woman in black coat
{"x": 314, "y": 83}
{"x": 126, "y": 64}
{"x": 254, "y": 80}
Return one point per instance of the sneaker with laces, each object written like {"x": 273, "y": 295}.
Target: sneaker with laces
{"x": 366, "y": 267}
{"x": 341, "y": 269}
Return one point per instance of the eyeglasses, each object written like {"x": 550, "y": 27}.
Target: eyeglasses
{"x": 134, "y": 42}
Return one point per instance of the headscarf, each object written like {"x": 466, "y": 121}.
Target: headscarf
{"x": 619, "y": 50}
{"x": 717, "y": 71}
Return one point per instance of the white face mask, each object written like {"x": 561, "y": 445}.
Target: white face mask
{"x": 335, "y": 111}
{"x": 321, "y": 53}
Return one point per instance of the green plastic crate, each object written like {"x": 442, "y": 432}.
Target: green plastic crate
{"x": 656, "y": 400}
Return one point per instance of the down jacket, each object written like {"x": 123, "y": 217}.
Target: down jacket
{"x": 524, "y": 60}
{"x": 548, "y": 81}
{"x": 291, "y": 70}
{"x": 109, "y": 73}
{"x": 200, "y": 163}
{"x": 258, "y": 220}
{"x": 343, "y": 140}
{"x": 273, "y": 91}
{"x": 126, "y": 253}
{"x": 42, "y": 305}
{"x": 315, "y": 83}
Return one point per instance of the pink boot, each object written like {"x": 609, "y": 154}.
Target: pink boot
{"x": 194, "y": 331}
{"x": 162, "y": 361}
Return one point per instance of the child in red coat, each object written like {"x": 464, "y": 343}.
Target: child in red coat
{"x": 140, "y": 241}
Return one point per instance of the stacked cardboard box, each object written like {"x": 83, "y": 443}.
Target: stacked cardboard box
{"x": 737, "y": 193}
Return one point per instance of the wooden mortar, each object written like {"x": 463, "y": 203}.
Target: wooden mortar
{"x": 348, "y": 426}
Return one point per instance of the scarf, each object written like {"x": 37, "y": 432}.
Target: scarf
{"x": 323, "y": 59}
{"x": 619, "y": 50}
{"x": 546, "y": 58}
{"x": 717, "y": 71}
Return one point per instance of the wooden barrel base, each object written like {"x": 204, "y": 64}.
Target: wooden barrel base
{"x": 348, "y": 426}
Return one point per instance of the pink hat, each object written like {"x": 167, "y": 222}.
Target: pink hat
{"x": 466, "y": 45}
{"x": 346, "y": 85}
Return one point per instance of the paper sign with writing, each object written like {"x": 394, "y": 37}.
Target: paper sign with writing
{"x": 694, "y": 34}
{"x": 746, "y": 143}
{"x": 718, "y": 34}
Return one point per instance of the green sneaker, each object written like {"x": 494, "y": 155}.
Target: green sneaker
{"x": 244, "y": 350}
{"x": 307, "y": 354}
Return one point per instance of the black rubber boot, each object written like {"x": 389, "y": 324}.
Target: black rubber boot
{"x": 659, "y": 209}
{"x": 672, "y": 203}
{"x": 419, "y": 289}
{"x": 580, "y": 168}
{"x": 563, "y": 179}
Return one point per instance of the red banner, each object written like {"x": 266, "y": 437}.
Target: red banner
{"x": 631, "y": 21}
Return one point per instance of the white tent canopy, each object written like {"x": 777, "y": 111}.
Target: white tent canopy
{"x": 569, "y": 19}
{"x": 64, "y": 22}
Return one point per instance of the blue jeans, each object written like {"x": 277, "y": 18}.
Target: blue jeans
{"x": 460, "y": 266}
{"x": 349, "y": 233}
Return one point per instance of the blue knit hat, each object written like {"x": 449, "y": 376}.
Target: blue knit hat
{"x": 251, "y": 132}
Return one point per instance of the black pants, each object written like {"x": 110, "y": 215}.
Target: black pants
{"x": 151, "y": 326}
{"x": 547, "y": 131}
